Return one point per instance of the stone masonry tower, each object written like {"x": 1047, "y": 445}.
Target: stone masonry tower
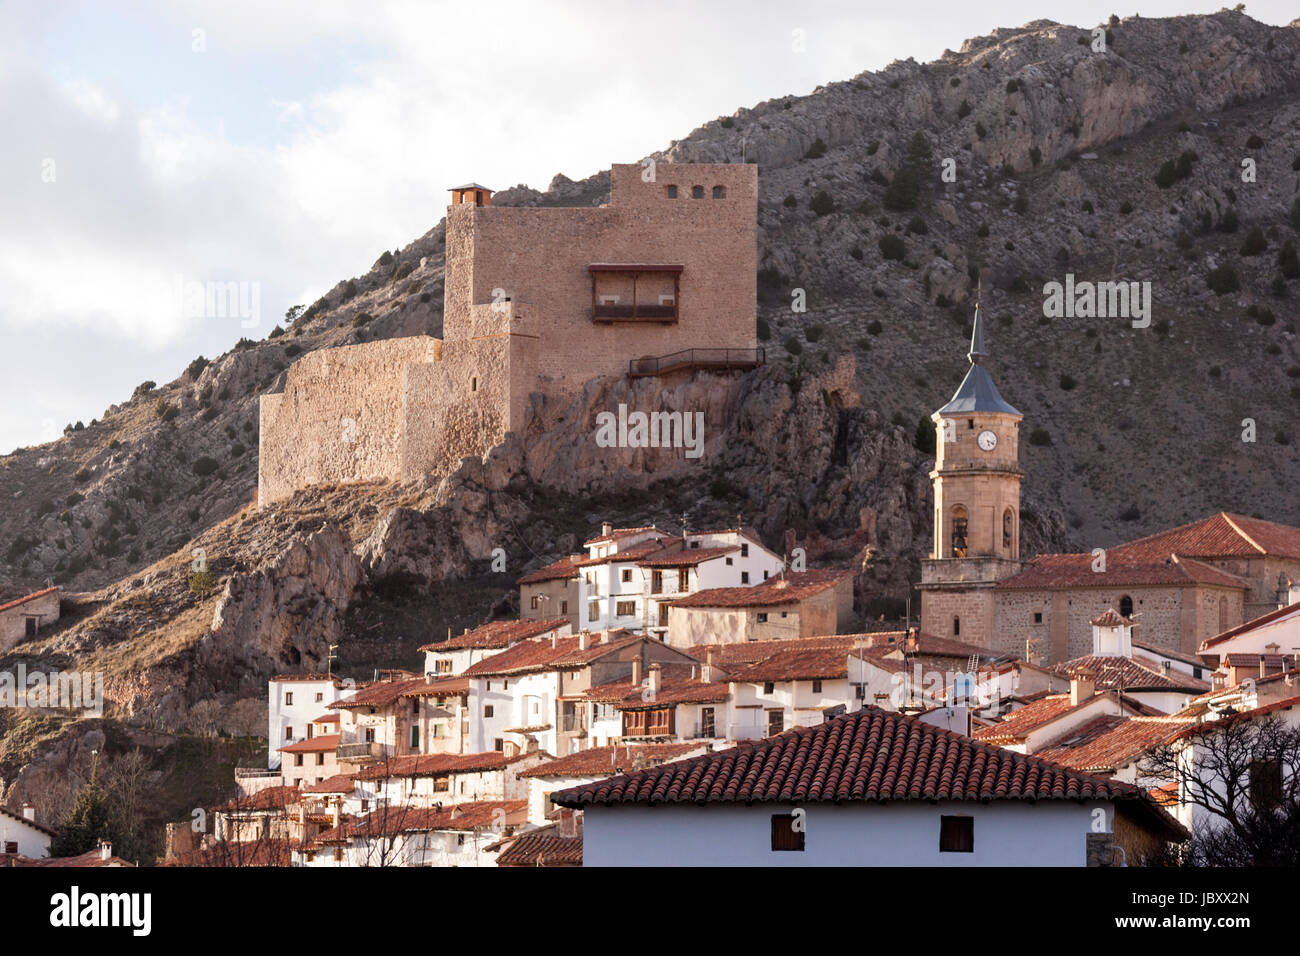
{"x": 976, "y": 505}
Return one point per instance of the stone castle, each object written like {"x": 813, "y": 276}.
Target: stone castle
{"x": 537, "y": 301}
{"x": 1178, "y": 586}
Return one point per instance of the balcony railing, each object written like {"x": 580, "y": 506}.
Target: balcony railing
{"x": 639, "y": 312}
{"x": 715, "y": 359}
{"x": 359, "y": 751}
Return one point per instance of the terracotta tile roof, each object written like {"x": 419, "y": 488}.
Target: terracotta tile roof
{"x": 542, "y": 847}
{"x": 1269, "y": 618}
{"x": 1270, "y": 661}
{"x": 496, "y": 634}
{"x": 1017, "y": 724}
{"x": 1209, "y": 725}
{"x": 1129, "y": 673}
{"x": 387, "y": 821}
{"x": 381, "y": 693}
{"x": 541, "y": 655}
{"x": 30, "y": 597}
{"x": 1171, "y": 654}
{"x": 634, "y": 552}
{"x": 555, "y": 571}
{"x": 617, "y": 534}
{"x": 1107, "y": 743}
{"x": 223, "y": 853}
{"x": 327, "y": 743}
{"x": 434, "y": 765}
{"x": 269, "y": 798}
{"x": 1223, "y": 535}
{"x": 294, "y": 678}
{"x": 31, "y": 823}
{"x": 89, "y": 858}
{"x": 326, "y": 719}
{"x": 624, "y": 695}
{"x": 793, "y": 588}
{"x": 737, "y": 655}
{"x": 1111, "y": 618}
{"x": 445, "y": 687}
{"x": 604, "y": 761}
{"x": 687, "y": 558}
{"x": 824, "y": 664}
{"x": 869, "y": 755}
{"x": 1048, "y": 571}
{"x": 339, "y": 783}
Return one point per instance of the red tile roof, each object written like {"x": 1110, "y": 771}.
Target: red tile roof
{"x": 625, "y": 695}
{"x": 1107, "y": 743}
{"x": 381, "y": 693}
{"x": 1017, "y": 724}
{"x": 496, "y": 634}
{"x": 434, "y": 765}
{"x": 1208, "y": 726}
{"x": 542, "y": 847}
{"x": 269, "y": 798}
{"x": 822, "y": 664}
{"x": 734, "y": 656}
{"x": 31, "y": 823}
{"x": 339, "y": 783}
{"x": 869, "y": 755}
{"x": 796, "y": 586}
{"x": 617, "y": 534}
{"x": 327, "y": 743}
{"x": 445, "y": 687}
{"x": 1111, "y": 618}
{"x": 89, "y": 858}
{"x": 1260, "y": 621}
{"x": 1129, "y": 673}
{"x": 555, "y": 571}
{"x": 390, "y": 820}
{"x": 1223, "y": 535}
{"x": 634, "y": 552}
{"x": 223, "y": 853}
{"x": 603, "y": 761}
{"x": 543, "y": 655}
{"x": 687, "y": 558}
{"x": 326, "y": 719}
{"x": 23, "y": 600}
{"x": 1048, "y": 571}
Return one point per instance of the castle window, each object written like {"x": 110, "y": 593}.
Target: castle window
{"x": 960, "y": 522}
{"x": 719, "y": 192}
{"x": 473, "y": 384}
{"x": 670, "y": 192}
{"x": 697, "y": 192}
{"x": 1126, "y": 606}
{"x": 970, "y": 424}
{"x": 1008, "y": 531}
{"x": 1038, "y": 617}
{"x": 956, "y": 626}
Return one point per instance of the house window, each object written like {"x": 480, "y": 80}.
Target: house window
{"x": 320, "y": 760}
{"x": 744, "y": 550}
{"x": 787, "y": 832}
{"x": 288, "y": 699}
{"x": 297, "y": 760}
{"x": 625, "y": 608}
{"x": 319, "y": 698}
{"x": 719, "y": 192}
{"x": 415, "y": 708}
{"x": 695, "y": 544}
{"x": 706, "y": 722}
{"x": 627, "y": 575}
{"x": 534, "y": 601}
{"x": 775, "y": 722}
{"x": 338, "y": 853}
{"x": 817, "y": 687}
{"x": 593, "y": 610}
{"x": 441, "y": 784}
{"x": 498, "y": 744}
{"x": 11, "y": 847}
{"x": 729, "y": 562}
{"x": 1038, "y": 617}
{"x": 670, "y": 192}
{"x": 656, "y": 582}
{"x": 744, "y": 577}
{"x": 663, "y": 615}
{"x": 684, "y": 579}
{"x": 956, "y": 834}
{"x": 564, "y": 607}
{"x": 768, "y": 687}
{"x": 288, "y": 733}
{"x": 697, "y": 192}
{"x": 956, "y": 626}
{"x": 415, "y": 737}
{"x": 762, "y": 617}
{"x": 370, "y": 735}
{"x": 1126, "y": 606}
{"x": 460, "y": 839}
{"x": 1265, "y": 784}
{"x": 487, "y": 710}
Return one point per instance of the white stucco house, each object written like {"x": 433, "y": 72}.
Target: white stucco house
{"x": 21, "y": 835}
{"x": 295, "y": 701}
{"x": 871, "y": 788}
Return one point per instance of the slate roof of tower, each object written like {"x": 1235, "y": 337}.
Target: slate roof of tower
{"x": 977, "y": 393}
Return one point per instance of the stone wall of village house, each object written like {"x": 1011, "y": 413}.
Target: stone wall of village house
{"x": 339, "y": 417}
{"x": 974, "y": 608}
{"x": 1261, "y": 573}
{"x": 13, "y": 623}
{"x": 555, "y": 599}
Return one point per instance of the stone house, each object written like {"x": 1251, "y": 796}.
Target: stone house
{"x": 795, "y": 604}
{"x": 24, "y": 617}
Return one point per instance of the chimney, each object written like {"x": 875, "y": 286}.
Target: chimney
{"x": 706, "y": 672}
{"x": 29, "y": 813}
{"x": 105, "y": 850}
{"x": 606, "y": 527}
{"x": 338, "y": 813}
{"x": 636, "y": 671}
{"x": 582, "y": 640}
{"x": 567, "y": 828}
{"x": 655, "y": 678}
{"x": 555, "y": 639}
{"x": 1082, "y": 688}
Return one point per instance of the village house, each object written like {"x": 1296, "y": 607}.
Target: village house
{"x": 24, "y": 617}
{"x": 869, "y": 788}
{"x": 425, "y": 780}
{"x": 101, "y": 856}
{"x": 21, "y": 835}
{"x": 555, "y": 844}
{"x": 531, "y": 692}
{"x": 1047, "y": 717}
{"x": 455, "y": 654}
{"x": 790, "y": 605}
{"x": 309, "y": 761}
{"x": 792, "y": 688}
{"x": 1271, "y": 641}
{"x": 405, "y": 836}
{"x": 674, "y": 701}
{"x": 400, "y": 715}
{"x": 295, "y": 700}
{"x": 551, "y": 592}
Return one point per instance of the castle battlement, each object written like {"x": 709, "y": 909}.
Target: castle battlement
{"x": 535, "y": 300}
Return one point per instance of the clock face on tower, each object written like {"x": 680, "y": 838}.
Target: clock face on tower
{"x": 987, "y": 440}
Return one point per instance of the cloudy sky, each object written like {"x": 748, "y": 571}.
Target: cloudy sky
{"x": 283, "y": 145}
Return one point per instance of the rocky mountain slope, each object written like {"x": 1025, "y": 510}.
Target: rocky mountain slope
{"x": 1116, "y": 165}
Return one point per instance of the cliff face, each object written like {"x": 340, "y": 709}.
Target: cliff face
{"x": 1057, "y": 151}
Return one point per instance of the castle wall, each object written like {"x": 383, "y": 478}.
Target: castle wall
{"x": 339, "y": 417}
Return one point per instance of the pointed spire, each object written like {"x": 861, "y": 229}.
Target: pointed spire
{"x": 977, "y": 351}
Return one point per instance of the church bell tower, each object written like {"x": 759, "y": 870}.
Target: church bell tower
{"x": 976, "y": 481}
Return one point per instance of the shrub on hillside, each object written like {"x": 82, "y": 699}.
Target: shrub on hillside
{"x": 1222, "y": 280}
{"x": 892, "y": 247}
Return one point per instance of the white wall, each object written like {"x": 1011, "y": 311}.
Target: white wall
{"x": 296, "y": 716}
{"x": 31, "y": 841}
{"x": 1010, "y": 833}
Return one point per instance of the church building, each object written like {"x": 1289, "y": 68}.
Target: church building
{"x": 1176, "y": 588}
